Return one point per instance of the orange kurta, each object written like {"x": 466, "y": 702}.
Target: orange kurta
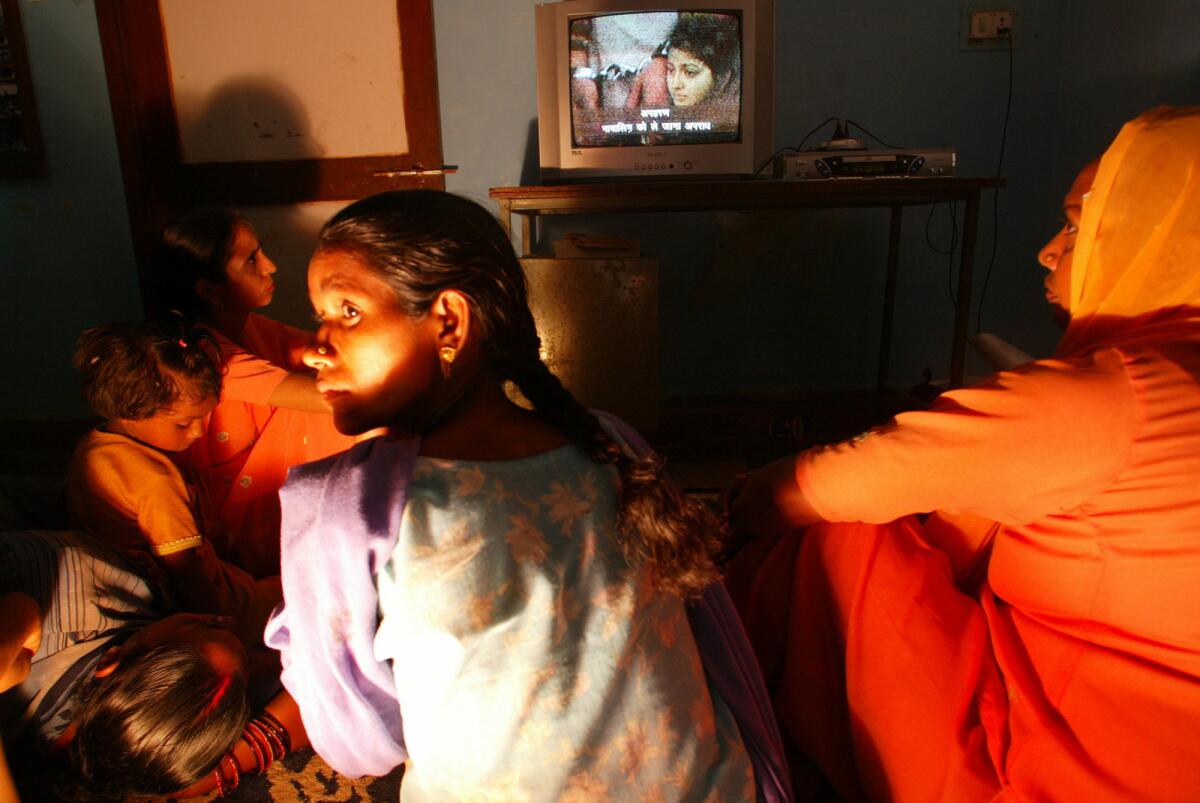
{"x": 249, "y": 445}
{"x": 135, "y": 499}
{"x": 1074, "y": 672}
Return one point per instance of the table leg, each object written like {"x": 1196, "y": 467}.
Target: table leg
{"x": 889, "y": 297}
{"x": 962, "y": 303}
{"x": 505, "y": 215}
{"x": 528, "y": 228}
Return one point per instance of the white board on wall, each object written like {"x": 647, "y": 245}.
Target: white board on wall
{"x": 265, "y": 80}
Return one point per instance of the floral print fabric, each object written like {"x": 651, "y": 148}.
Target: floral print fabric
{"x": 530, "y": 662}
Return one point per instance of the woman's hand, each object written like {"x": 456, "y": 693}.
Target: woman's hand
{"x": 768, "y": 502}
{"x": 20, "y": 637}
{"x": 287, "y": 714}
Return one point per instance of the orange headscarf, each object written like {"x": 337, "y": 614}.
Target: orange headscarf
{"x": 1137, "y": 254}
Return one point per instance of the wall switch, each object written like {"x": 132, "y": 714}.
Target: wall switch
{"x": 987, "y": 25}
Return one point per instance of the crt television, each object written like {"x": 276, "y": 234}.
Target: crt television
{"x": 654, "y": 88}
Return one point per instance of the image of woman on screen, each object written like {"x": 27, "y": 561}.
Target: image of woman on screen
{"x": 704, "y": 70}
{"x": 655, "y": 77}
{"x": 697, "y": 71}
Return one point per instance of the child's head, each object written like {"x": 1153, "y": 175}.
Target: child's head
{"x": 154, "y": 382}
{"x": 208, "y": 258}
{"x": 161, "y": 711}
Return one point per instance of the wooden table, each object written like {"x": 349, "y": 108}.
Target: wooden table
{"x": 530, "y": 203}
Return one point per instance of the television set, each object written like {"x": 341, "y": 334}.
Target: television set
{"x": 654, "y": 88}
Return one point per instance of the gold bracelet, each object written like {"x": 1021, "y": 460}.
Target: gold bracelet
{"x": 178, "y": 545}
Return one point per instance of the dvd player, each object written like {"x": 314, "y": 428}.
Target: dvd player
{"x": 864, "y": 164}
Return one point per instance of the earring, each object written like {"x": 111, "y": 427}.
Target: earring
{"x": 322, "y": 350}
{"x": 447, "y": 355}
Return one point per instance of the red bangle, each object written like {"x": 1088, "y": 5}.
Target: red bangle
{"x": 273, "y": 737}
{"x": 256, "y": 732}
{"x": 276, "y": 743}
{"x": 259, "y": 761}
{"x": 285, "y": 737}
{"x": 219, "y": 777}
{"x": 237, "y": 777}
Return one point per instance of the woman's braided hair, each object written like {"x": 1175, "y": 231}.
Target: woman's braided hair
{"x": 425, "y": 241}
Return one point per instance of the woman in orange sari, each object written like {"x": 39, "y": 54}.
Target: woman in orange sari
{"x": 1038, "y": 636}
{"x": 212, "y": 268}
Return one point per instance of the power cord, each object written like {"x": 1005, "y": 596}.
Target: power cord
{"x": 840, "y": 132}
{"x": 948, "y": 252}
{"x": 951, "y": 207}
{"x": 872, "y": 136}
{"x": 996, "y": 192}
{"x": 796, "y": 148}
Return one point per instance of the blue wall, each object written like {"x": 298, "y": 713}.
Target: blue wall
{"x": 66, "y": 261}
{"x": 763, "y": 302}
{"x": 792, "y": 300}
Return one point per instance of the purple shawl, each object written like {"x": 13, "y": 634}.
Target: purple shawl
{"x": 341, "y": 517}
{"x": 338, "y": 510}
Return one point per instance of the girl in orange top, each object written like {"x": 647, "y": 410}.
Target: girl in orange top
{"x": 212, "y": 269}
{"x": 155, "y": 386}
{"x": 1070, "y": 487}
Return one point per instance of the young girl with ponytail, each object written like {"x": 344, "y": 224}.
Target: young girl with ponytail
{"x": 517, "y": 602}
{"x": 155, "y": 385}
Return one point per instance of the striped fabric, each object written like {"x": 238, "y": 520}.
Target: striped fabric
{"x": 90, "y": 597}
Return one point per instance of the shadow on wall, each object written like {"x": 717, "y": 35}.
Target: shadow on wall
{"x": 252, "y": 119}
{"x": 248, "y": 118}
{"x": 531, "y": 167}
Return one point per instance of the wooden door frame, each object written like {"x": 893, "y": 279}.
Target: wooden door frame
{"x": 159, "y": 185}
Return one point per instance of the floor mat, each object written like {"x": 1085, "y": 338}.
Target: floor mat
{"x": 303, "y": 776}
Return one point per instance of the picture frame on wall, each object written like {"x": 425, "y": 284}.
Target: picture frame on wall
{"x": 21, "y": 153}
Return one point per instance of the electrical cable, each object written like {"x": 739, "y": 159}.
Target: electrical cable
{"x": 951, "y": 207}
{"x": 795, "y": 148}
{"x": 996, "y": 192}
{"x": 816, "y": 129}
{"x": 770, "y": 159}
{"x": 872, "y": 136}
{"x": 949, "y": 251}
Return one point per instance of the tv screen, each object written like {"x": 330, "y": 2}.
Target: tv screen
{"x": 655, "y": 78}
{"x": 654, "y": 88}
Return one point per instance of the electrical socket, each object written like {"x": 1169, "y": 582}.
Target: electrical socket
{"x": 1015, "y": 13}
{"x": 990, "y": 25}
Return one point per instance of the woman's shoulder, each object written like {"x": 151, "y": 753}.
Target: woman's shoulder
{"x": 260, "y": 328}
{"x": 508, "y": 434}
{"x": 262, "y": 325}
{"x": 267, "y": 340}
{"x": 529, "y": 487}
